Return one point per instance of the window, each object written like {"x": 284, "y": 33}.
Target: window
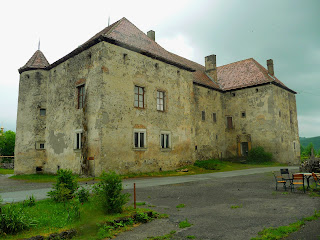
{"x": 203, "y": 115}
{"x": 78, "y": 139}
{"x": 291, "y": 121}
{"x": 165, "y": 140}
{"x": 139, "y": 138}
{"x": 229, "y": 123}
{"x": 40, "y": 145}
{"x": 81, "y": 96}
{"x": 160, "y": 101}
{"x": 243, "y": 114}
{"x": 214, "y": 117}
{"x": 42, "y": 111}
{"x": 138, "y": 97}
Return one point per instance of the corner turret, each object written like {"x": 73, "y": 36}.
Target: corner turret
{"x": 37, "y": 61}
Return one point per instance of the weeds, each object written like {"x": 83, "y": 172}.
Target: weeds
{"x": 284, "y": 231}
{"x": 141, "y": 203}
{"x": 191, "y": 237}
{"x": 29, "y": 202}
{"x": 185, "y": 224}
{"x": 165, "y": 237}
{"x": 83, "y": 195}
{"x": 181, "y": 205}
{"x": 236, "y": 206}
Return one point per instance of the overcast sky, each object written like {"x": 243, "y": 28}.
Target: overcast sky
{"x": 288, "y": 31}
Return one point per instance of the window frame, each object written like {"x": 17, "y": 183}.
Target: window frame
{"x": 167, "y": 145}
{"x": 80, "y": 96}
{"x": 78, "y": 139}
{"x": 159, "y": 98}
{"x": 203, "y": 115}
{"x": 41, "y": 111}
{"x": 137, "y": 101}
{"x": 139, "y": 131}
{"x": 214, "y": 117}
{"x": 227, "y": 121}
{"x": 38, "y": 145}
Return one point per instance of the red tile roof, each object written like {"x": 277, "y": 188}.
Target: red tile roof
{"x": 245, "y": 73}
{"x": 37, "y": 61}
{"x": 123, "y": 33}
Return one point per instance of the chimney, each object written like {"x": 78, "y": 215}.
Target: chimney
{"x": 211, "y": 66}
{"x": 270, "y": 67}
{"x": 152, "y": 35}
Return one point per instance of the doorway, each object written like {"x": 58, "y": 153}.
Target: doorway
{"x": 244, "y": 149}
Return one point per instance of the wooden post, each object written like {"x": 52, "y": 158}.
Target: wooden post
{"x": 134, "y": 196}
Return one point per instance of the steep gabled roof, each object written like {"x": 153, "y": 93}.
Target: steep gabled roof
{"x": 37, "y": 61}
{"x": 245, "y": 73}
{"x": 242, "y": 74}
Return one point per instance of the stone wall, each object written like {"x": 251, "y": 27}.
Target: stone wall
{"x": 7, "y": 165}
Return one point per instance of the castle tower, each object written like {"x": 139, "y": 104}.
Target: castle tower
{"x": 31, "y": 115}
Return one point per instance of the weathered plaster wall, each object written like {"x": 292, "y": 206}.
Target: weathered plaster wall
{"x": 122, "y": 70}
{"x": 258, "y": 123}
{"x": 288, "y": 143}
{"x": 30, "y": 125}
{"x": 209, "y": 135}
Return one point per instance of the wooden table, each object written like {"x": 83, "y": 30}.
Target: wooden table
{"x": 307, "y": 176}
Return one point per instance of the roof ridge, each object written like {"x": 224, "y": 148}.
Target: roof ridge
{"x": 114, "y": 25}
{"x": 236, "y": 62}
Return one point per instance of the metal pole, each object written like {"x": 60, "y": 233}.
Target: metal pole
{"x": 134, "y": 195}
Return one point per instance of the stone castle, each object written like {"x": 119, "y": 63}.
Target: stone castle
{"x": 122, "y": 102}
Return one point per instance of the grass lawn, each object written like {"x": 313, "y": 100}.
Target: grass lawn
{"x": 219, "y": 166}
{"x": 45, "y": 178}
{"x": 50, "y": 217}
{"x": 6, "y": 171}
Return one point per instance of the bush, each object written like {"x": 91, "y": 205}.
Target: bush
{"x": 212, "y": 164}
{"x": 108, "y": 192}
{"x": 83, "y": 195}
{"x": 13, "y": 220}
{"x": 65, "y": 187}
{"x": 29, "y": 202}
{"x": 259, "y": 155}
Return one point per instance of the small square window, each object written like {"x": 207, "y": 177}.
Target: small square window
{"x": 214, "y": 117}
{"x": 41, "y": 146}
{"x": 203, "y": 115}
{"x": 42, "y": 111}
{"x": 243, "y": 114}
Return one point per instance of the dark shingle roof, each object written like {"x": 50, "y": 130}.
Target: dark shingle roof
{"x": 37, "y": 61}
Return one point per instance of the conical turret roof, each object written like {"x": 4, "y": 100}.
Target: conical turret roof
{"x": 37, "y": 61}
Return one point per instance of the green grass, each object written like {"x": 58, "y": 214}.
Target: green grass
{"x": 45, "y": 178}
{"x": 180, "y": 205}
{"x": 284, "y": 231}
{"x": 236, "y": 206}
{"x": 185, "y": 224}
{"x": 140, "y": 203}
{"x": 218, "y": 165}
{"x": 191, "y": 237}
{"x": 51, "y": 217}
{"x": 6, "y": 171}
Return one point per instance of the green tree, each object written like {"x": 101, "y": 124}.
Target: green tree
{"x": 7, "y": 143}
{"x": 307, "y": 150}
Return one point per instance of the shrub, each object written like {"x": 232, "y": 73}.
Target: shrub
{"x": 212, "y": 164}
{"x": 259, "y": 155}
{"x": 185, "y": 224}
{"x": 29, "y": 202}
{"x": 65, "y": 187}
{"x": 108, "y": 192}
{"x": 13, "y": 220}
{"x": 83, "y": 195}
